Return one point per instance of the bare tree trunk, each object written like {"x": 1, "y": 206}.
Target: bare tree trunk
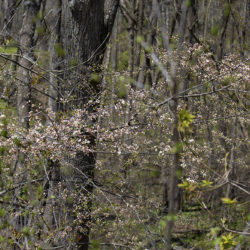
{"x": 131, "y": 43}
{"x": 221, "y": 40}
{"x": 174, "y": 195}
{"x": 85, "y": 31}
{"x": 83, "y": 44}
{"x": 114, "y": 54}
{"x": 145, "y": 72}
{"x": 53, "y": 20}
{"x": 140, "y": 27}
{"x": 52, "y": 206}
{"x": 9, "y": 10}
{"x": 244, "y": 37}
{"x": 173, "y": 191}
{"x": 23, "y": 77}
{"x": 23, "y": 74}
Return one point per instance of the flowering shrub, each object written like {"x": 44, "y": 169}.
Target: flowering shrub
{"x": 131, "y": 138}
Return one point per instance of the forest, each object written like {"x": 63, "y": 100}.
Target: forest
{"x": 124, "y": 124}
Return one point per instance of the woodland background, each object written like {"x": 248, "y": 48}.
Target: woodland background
{"x": 124, "y": 124}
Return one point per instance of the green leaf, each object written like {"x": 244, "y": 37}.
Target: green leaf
{"x": 2, "y": 239}
{"x": 214, "y": 231}
{"x": 185, "y": 119}
{"x": 8, "y": 50}
{"x": 139, "y": 39}
{"x": 206, "y": 183}
{"x": 228, "y": 201}
{"x": 185, "y": 184}
{"x": 227, "y": 241}
{"x": 26, "y": 231}
{"x": 39, "y": 191}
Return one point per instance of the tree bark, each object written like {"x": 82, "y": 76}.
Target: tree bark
{"x": 23, "y": 76}
{"x": 85, "y": 30}
{"x": 52, "y": 13}
{"x": 9, "y": 9}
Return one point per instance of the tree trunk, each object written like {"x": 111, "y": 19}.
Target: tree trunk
{"x": 85, "y": 29}
{"x": 24, "y": 78}
{"x": 52, "y": 206}
{"x": 23, "y": 72}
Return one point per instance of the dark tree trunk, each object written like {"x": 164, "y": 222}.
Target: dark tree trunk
{"x": 84, "y": 31}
